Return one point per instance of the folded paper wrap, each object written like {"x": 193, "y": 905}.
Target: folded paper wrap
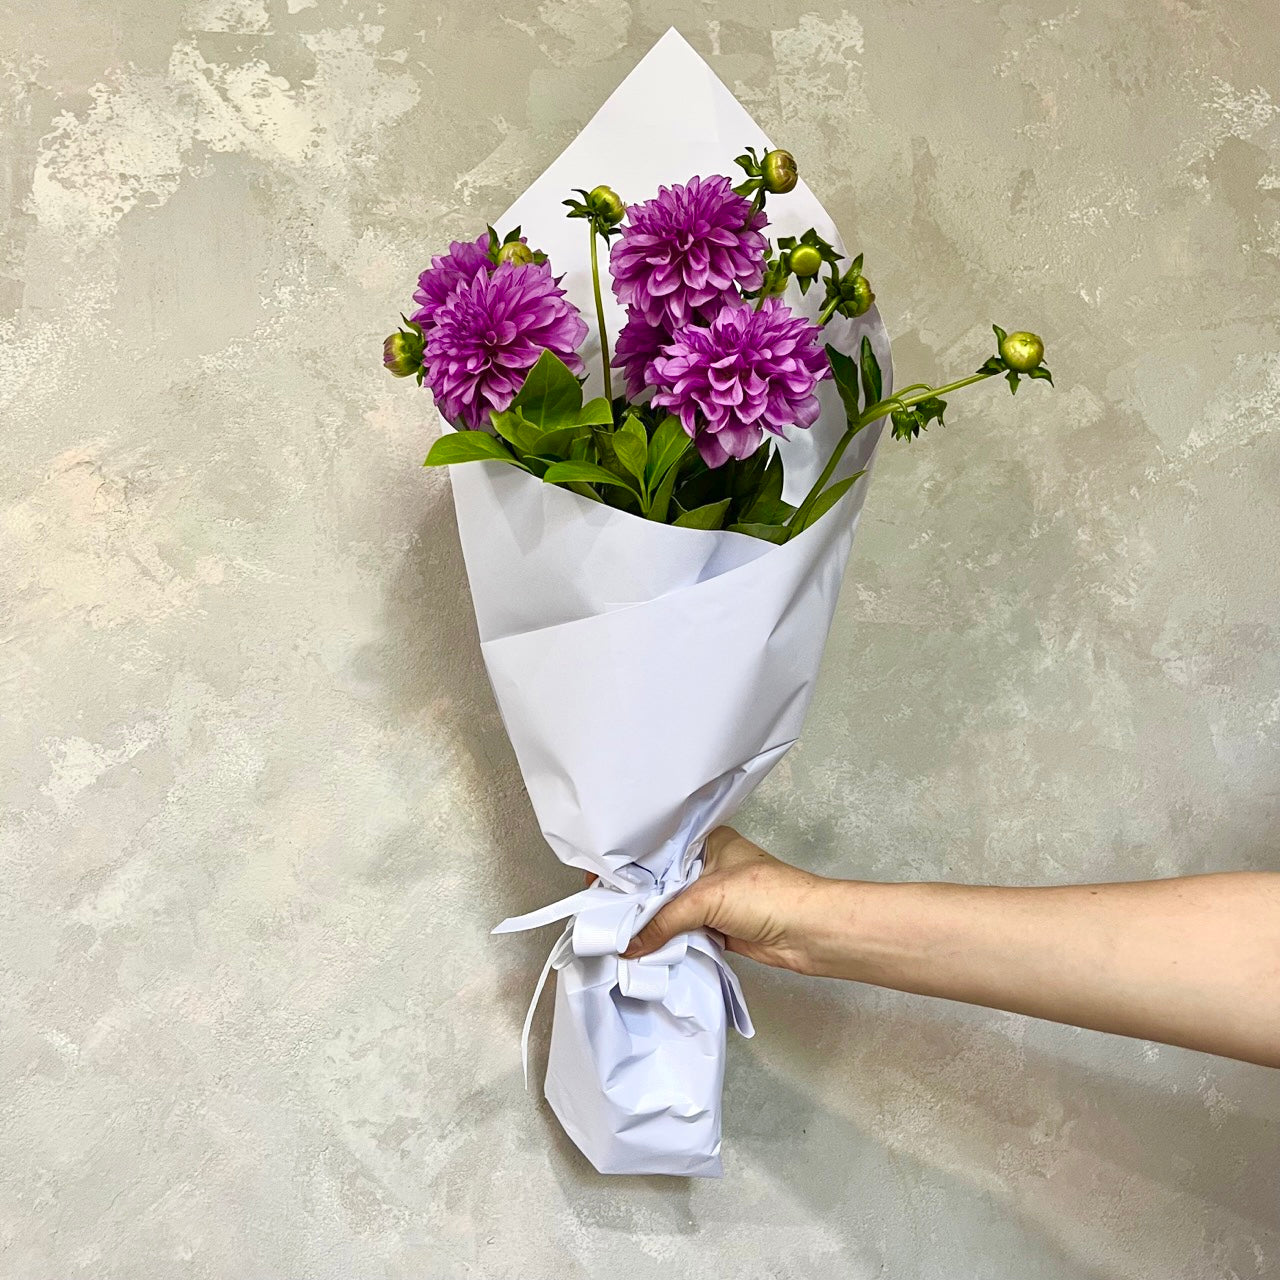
{"x": 648, "y": 676}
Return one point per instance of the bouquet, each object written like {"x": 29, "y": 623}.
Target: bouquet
{"x": 667, "y": 392}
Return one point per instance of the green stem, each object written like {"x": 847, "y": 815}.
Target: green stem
{"x": 798, "y": 515}
{"x": 865, "y": 419}
{"x": 604, "y": 336}
{"x": 828, "y": 311}
{"x": 915, "y": 386}
{"x": 942, "y": 391}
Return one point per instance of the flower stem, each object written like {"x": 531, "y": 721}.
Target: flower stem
{"x": 865, "y": 419}
{"x": 796, "y": 522}
{"x": 604, "y": 336}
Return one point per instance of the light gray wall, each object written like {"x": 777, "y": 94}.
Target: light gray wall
{"x": 259, "y": 811}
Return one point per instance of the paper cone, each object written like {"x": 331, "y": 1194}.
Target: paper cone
{"x": 649, "y": 676}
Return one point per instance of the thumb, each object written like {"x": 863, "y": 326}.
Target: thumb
{"x": 680, "y": 915}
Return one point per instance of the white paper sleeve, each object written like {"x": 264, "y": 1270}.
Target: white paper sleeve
{"x": 648, "y": 676}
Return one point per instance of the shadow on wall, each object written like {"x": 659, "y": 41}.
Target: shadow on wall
{"x": 1135, "y": 1181}
{"x": 429, "y": 669}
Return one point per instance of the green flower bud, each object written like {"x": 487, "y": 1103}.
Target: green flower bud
{"x": 778, "y": 169}
{"x": 1022, "y": 351}
{"x": 805, "y": 260}
{"x": 857, "y": 295}
{"x": 607, "y": 205}
{"x": 402, "y": 353}
{"x": 515, "y": 251}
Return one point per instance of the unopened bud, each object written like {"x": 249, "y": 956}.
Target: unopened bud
{"x": 607, "y": 205}
{"x": 857, "y": 296}
{"x": 805, "y": 260}
{"x": 402, "y": 353}
{"x": 515, "y": 251}
{"x": 778, "y": 169}
{"x": 1022, "y": 351}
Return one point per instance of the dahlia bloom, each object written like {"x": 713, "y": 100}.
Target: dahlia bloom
{"x": 446, "y": 273}
{"x": 639, "y": 343}
{"x": 685, "y": 249}
{"x": 745, "y": 373}
{"x": 490, "y": 332}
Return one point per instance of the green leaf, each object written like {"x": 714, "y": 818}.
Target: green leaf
{"x": 828, "y": 499}
{"x": 595, "y": 413}
{"x": 631, "y": 445}
{"x": 846, "y": 378}
{"x": 1012, "y": 376}
{"x": 584, "y": 473}
{"x": 992, "y": 365}
{"x": 999, "y": 332}
{"x": 669, "y": 443}
{"x": 771, "y": 489}
{"x": 768, "y": 511}
{"x": 709, "y": 517}
{"x": 468, "y": 446}
{"x": 769, "y": 532}
{"x": 1041, "y": 372}
{"x": 930, "y": 410}
{"x": 556, "y": 444}
{"x": 767, "y": 506}
{"x": 517, "y": 430}
{"x": 660, "y": 504}
{"x": 551, "y": 396}
{"x": 871, "y": 381}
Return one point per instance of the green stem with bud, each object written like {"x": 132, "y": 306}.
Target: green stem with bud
{"x": 604, "y": 336}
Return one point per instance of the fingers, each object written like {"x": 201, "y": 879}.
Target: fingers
{"x": 689, "y": 911}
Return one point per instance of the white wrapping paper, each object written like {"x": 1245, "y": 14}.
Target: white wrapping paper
{"x": 648, "y": 676}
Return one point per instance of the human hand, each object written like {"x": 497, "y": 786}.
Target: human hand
{"x": 767, "y": 910}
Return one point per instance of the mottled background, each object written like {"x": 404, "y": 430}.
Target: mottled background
{"x": 259, "y": 811}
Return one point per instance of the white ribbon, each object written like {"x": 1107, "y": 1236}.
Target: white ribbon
{"x": 606, "y": 917}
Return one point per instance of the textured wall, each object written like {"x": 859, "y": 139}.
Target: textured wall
{"x": 258, "y": 809}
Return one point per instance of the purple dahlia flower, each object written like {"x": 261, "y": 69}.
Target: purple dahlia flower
{"x": 639, "y": 344}
{"x": 746, "y": 373}
{"x": 686, "y": 248}
{"x": 446, "y": 273}
{"x": 489, "y": 333}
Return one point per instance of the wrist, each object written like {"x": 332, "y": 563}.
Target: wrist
{"x": 865, "y": 931}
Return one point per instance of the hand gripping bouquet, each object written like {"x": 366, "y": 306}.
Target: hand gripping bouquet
{"x": 655, "y": 531}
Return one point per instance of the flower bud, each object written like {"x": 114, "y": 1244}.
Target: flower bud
{"x": 607, "y": 205}
{"x": 515, "y": 251}
{"x": 778, "y": 169}
{"x": 402, "y": 353}
{"x": 856, "y": 295}
{"x": 805, "y": 260}
{"x": 1022, "y": 351}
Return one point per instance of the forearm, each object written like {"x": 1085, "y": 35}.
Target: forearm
{"x": 1192, "y": 961}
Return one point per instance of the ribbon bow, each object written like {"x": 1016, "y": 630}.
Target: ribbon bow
{"x": 606, "y": 916}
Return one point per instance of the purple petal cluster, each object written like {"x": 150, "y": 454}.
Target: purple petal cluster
{"x": 638, "y": 344}
{"x": 487, "y": 334}
{"x": 446, "y": 273}
{"x": 745, "y": 373}
{"x": 686, "y": 249}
